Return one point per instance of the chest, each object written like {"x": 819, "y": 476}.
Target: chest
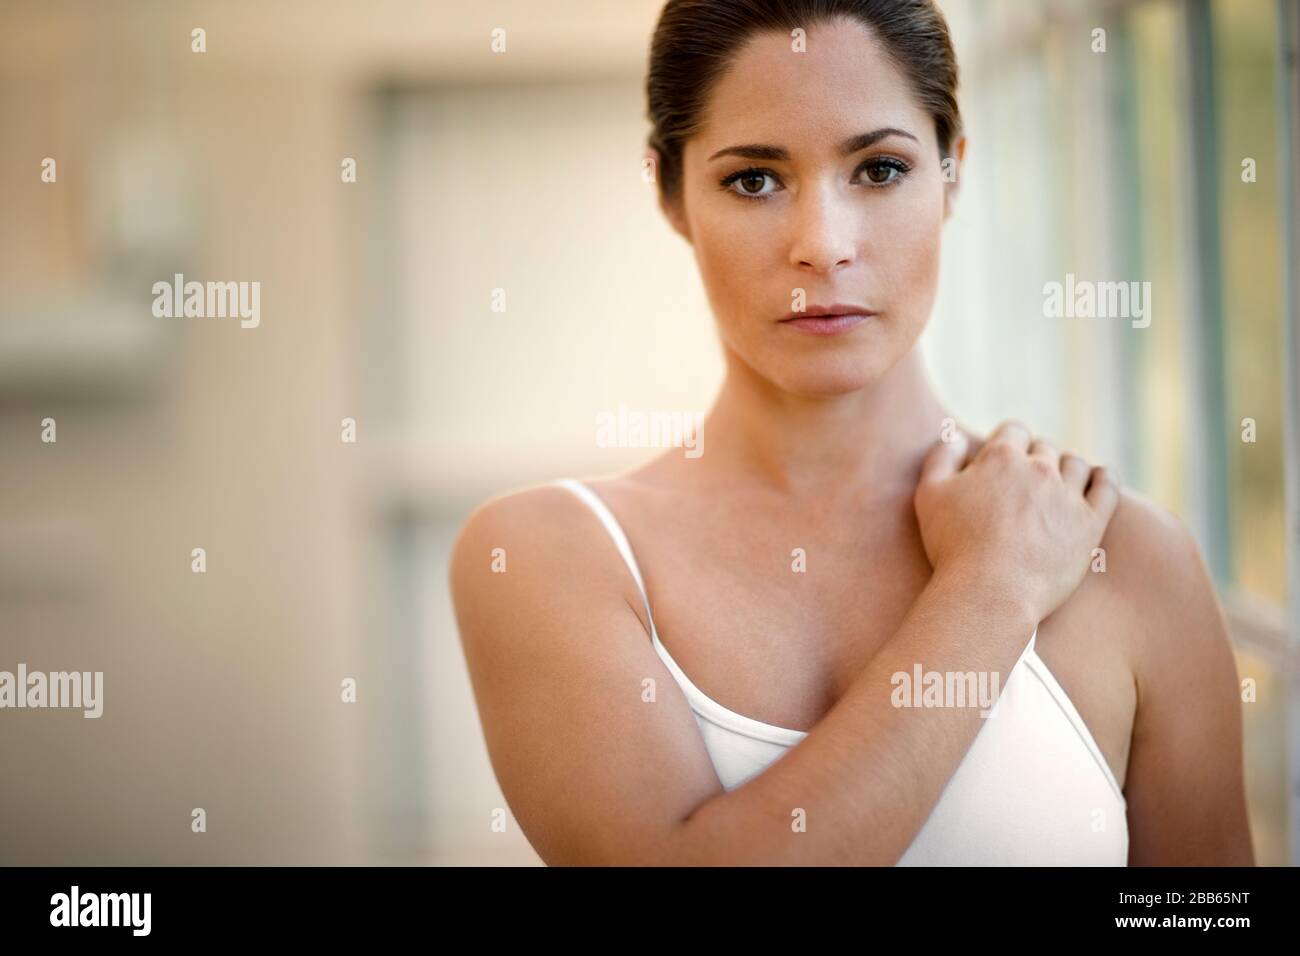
{"x": 774, "y": 615}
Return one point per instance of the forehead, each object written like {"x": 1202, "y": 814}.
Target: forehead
{"x": 843, "y": 83}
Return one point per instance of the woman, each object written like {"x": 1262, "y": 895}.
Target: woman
{"x": 750, "y": 657}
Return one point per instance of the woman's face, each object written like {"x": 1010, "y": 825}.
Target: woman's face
{"x": 859, "y": 228}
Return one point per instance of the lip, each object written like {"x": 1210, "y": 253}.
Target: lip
{"x": 828, "y": 319}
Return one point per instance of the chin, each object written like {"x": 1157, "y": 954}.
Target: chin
{"x": 829, "y": 375}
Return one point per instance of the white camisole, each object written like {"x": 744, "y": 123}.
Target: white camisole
{"x": 1033, "y": 789}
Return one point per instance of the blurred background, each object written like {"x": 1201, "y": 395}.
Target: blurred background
{"x": 521, "y": 170}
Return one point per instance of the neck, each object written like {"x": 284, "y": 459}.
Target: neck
{"x": 867, "y": 441}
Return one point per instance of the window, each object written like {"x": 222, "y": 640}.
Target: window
{"x": 1122, "y": 155}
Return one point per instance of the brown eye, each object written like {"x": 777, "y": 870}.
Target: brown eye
{"x": 884, "y": 172}
{"x": 748, "y": 183}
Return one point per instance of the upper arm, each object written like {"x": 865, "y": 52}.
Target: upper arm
{"x": 595, "y": 767}
{"x": 1185, "y": 787}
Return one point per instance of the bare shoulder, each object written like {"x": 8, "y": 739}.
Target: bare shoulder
{"x": 1149, "y": 583}
{"x": 520, "y": 546}
{"x": 1155, "y": 568}
{"x": 558, "y": 658}
{"x": 1149, "y": 549}
{"x": 525, "y": 514}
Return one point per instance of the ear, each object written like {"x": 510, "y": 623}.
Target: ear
{"x": 672, "y": 209}
{"x": 950, "y": 187}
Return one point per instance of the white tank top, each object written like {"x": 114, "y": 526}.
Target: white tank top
{"x": 1033, "y": 789}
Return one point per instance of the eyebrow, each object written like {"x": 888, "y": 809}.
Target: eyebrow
{"x": 847, "y": 148}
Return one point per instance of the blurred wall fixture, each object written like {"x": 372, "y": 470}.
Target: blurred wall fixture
{"x": 97, "y": 334}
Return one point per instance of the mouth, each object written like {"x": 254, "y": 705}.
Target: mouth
{"x": 827, "y": 320}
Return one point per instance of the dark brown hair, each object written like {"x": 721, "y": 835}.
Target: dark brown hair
{"x": 696, "y": 40}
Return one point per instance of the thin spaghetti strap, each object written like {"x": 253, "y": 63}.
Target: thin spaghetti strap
{"x": 616, "y": 532}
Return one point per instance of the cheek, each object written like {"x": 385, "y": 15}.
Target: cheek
{"x": 733, "y": 259}
{"x": 906, "y": 256}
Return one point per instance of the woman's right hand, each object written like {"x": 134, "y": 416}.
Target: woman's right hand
{"x": 1015, "y": 513}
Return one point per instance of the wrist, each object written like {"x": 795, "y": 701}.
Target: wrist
{"x": 1008, "y": 597}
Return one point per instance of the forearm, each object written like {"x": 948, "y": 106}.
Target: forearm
{"x": 869, "y": 774}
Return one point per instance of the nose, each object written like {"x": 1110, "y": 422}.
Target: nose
{"x": 825, "y": 232}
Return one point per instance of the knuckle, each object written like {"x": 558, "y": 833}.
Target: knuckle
{"x": 1042, "y": 468}
{"x": 1001, "y": 451}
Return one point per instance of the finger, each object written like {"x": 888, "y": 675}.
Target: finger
{"x": 970, "y": 445}
{"x": 1040, "y": 448}
{"x": 1075, "y": 471}
{"x": 1103, "y": 492}
{"x": 945, "y": 459}
{"x": 1011, "y": 433}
